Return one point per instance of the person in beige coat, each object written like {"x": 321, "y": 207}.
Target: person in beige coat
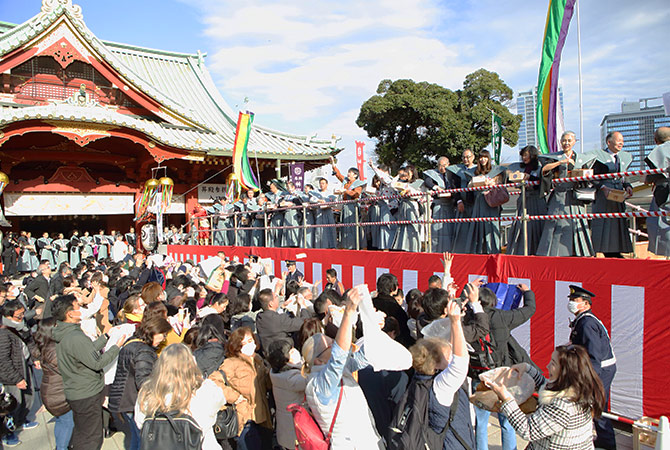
{"x": 247, "y": 374}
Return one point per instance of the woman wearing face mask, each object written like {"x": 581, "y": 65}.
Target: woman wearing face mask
{"x": 247, "y": 375}
{"x": 568, "y": 401}
{"x": 16, "y": 348}
{"x": 135, "y": 363}
{"x": 288, "y": 386}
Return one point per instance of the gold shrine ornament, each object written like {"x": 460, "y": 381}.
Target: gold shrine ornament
{"x": 166, "y": 181}
{"x": 151, "y": 183}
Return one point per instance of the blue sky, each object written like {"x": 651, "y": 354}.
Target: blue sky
{"x": 307, "y": 66}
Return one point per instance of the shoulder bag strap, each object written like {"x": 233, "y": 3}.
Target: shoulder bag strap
{"x": 337, "y": 408}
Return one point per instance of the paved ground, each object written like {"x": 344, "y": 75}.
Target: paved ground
{"x": 42, "y": 437}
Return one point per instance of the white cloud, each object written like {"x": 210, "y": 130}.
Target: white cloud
{"x": 310, "y": 65}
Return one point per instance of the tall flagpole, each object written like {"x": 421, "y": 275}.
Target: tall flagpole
{"x": 579, "y": 69}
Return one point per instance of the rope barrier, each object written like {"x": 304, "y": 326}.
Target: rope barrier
{"x": 432, "y": 193}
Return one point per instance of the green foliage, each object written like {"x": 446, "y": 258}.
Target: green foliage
{"x": 419, "y": 122}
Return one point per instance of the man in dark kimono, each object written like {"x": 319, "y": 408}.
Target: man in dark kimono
{"x": 611, "y": 236}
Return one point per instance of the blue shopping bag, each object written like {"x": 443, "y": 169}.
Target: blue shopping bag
{"x": 508, "y": 295}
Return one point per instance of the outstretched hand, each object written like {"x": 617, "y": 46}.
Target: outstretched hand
{"x": 354, "y": 299}
{"x": 447, "y": 261}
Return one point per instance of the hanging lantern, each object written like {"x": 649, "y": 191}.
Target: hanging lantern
{"x": 167, "y": 187}
{"x": 148, "y": 236}
{"x": 4, "y": 181}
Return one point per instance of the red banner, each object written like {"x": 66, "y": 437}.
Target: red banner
{"x": 360, "y": 161}
{"x": 631, "y": 300}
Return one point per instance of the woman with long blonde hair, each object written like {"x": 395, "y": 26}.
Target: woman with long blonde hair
{"x": 176, "y": 384}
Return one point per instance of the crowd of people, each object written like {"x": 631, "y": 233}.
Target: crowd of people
{"x": 287, "y": 217}
{"x": 108, "y": 346}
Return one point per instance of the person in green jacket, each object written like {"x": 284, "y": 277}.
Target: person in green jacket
{"x": 81, "y": 365}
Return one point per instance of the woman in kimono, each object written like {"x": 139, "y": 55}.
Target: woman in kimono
{"x": 46, "y": 250}
{"x": 101, "y": 244}
{"x": 277, "y": 218}
{"x": 310, "y": 216}
{"x": 536, "y": 205}
{"x": 292, "y": 237}
{"x": 28, "y": 261}
{"x": 241, "y": 220}
{"x": 565, "y": 237}
{"x": 61, "y": 249}
{"x": 482, "y": 237}
{"x": 441, "y": 234}
{"x": 381, "y": 210}
{"x": 352, "y": 188}
{"x": 464, "y": 201}
{"x": 87, "y": 249}
{"x": 258, "y": 222}
{"x": 408, "y": 237}
{"x": 75, "y": 246}
{"x": 325, "y": 236}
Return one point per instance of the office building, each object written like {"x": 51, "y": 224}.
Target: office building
{"x": 526, "y": 105}
{"x": 637, "y": 122}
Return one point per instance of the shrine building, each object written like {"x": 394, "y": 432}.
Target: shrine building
{"x": 83, "y": 122}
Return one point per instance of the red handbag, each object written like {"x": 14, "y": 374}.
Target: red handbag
{"x": 496, "y": 197}
{"x": 308, "y": 434}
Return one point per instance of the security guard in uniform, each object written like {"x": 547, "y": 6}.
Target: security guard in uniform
{"x": 589, "y": 332}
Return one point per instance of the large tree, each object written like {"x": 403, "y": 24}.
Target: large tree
{"x": 419, "y": 122}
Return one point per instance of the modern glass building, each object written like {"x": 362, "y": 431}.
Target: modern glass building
{"x": 526, "y": 105}
{"x": 637, "y": 122}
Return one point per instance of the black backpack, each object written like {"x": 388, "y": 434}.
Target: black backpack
{"x": 170, "y": 431}
{"x": 483, "y": 358}
{"x": 409, "y": 427}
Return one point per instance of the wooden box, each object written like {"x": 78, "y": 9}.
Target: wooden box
{"x": 581, "y": 173}
{"x": 516, "y": 176}
{"x": 479, "y": 180}
{"x": 616, "y": 195}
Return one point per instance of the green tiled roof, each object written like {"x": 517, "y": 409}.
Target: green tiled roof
{"x": 178, "y": 81}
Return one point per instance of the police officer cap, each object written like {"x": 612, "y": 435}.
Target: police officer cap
{"x": 290, "y": 262}
{"x": 578, "y": 291}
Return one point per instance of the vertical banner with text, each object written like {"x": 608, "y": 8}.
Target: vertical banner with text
{"x": 360, "y": 162}
{"x": 297, "y": 171}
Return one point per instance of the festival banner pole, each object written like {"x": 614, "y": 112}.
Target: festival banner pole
{"x": 579, "y": 71}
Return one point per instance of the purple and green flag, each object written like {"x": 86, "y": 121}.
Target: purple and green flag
{"x": 555, "y": 32}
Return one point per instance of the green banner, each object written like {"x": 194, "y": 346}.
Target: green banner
{"x": 496, "y": 136}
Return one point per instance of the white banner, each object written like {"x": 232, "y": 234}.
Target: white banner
{"x": 208, "y": 192}
{"x": 18, "y": 204}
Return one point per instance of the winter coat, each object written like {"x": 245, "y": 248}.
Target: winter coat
{"x": 288, "y": 386}
{"x": 272, "y": 326}
{"x": 52, "y": 390}
{"x": 250, "y": 377}
{"x": 557, "y": 423}
{"x": 209, "y": 357}
{"x": 12, "y": 360}
{"x": 135, "y": 363}
{"x": 80, "y": 362}
{"x": 501, "y": 323}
